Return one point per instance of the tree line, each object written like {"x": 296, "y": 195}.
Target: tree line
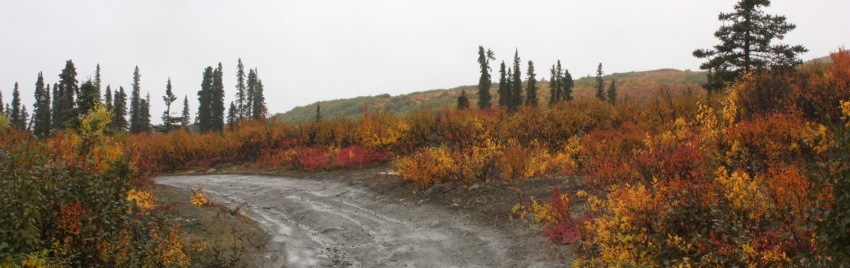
{"x": 62, "y": 106}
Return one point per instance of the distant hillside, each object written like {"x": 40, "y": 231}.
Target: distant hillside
{"x": 631, "y": 85}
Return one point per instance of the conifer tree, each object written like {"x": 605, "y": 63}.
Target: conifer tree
{"x": 145, "y": 113}
{"x": 600, "y": 85}
{"x": 504, "y": 95}
{"x": 41, "y": 108}
{"x": 746, "y": 44}
{"x": 107, "y": 98}
{"x": 119, "y": 111}
{"x": 531, "y": 86}
{"x": 318, "y": 112}
{"x": 204, "y": 101}
{"x": 484, "y": 83}
{"x": 23, "y": 122}
{"x": 184, "y": 120}
{"x": 97, "y": 77}
{"x": 217, "y": 101}
{"x": 566, "y": 84}
{"x": 241, "y": 96}
{"x": 168, "y": 121}
{"x": 15, "y": 115}
{"x": 516, "y": 89}
{"x": 64, "y": 112}
{"x": 554, "y": 87}
{"x": 87, "y": 99}
{"x": 136, "y": 124}
{"x": 3, "y": 113}
{"x": 258, "y": 101}
{"x": 462, "y": 100}
{"x": 231, "y": 115}
{"x": 612, "y": 92}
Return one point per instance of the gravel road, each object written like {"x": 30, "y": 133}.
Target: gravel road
{"x": 328, "y": 223}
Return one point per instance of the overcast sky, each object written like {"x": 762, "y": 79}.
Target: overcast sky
{"x": 308, "y": 51}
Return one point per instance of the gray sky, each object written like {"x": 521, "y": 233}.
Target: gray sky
{"x": 308, "y": 51}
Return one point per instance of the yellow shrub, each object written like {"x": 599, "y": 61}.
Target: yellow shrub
{"x": 198, "y": 198}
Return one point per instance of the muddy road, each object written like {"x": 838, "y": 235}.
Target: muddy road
{"x": 332, "y": 223}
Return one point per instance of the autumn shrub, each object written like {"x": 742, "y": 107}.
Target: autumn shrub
{"x": 428, "y": 166}
{"x": 312, "y": 158}
{"x": 70, "y": 201}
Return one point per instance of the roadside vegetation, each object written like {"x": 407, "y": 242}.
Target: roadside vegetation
{"x": 752, "y": 171}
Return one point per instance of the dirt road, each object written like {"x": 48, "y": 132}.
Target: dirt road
{"x": 333, "y": 223}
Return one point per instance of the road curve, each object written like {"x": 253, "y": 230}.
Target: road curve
{"x": 318, "y": 223}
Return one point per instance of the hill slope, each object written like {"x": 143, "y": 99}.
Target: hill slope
{"x": 631, "y": 85}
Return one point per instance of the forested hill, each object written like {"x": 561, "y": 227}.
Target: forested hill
{"x": 631, "y": 85}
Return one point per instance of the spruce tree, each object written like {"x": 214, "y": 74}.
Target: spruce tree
{"x": 241, "y": 97}
{"x": 145, "y": 114}
{"x": 87, "y": 99}
{"x": 531, "y": 86}
{"x": 136, "y": 124}
{"x": 184, "y": 120}
{"x": 23, "y": 122}
{"x": 516, "y": 90}
{"x": 462, "y": 100}
{"x": 554, "y": 87}
{"x": 258, "y": 100}
{"x": 97, "y": 77}
{"x": 3, "y": 113}
{"x": 504, "y": 95}
{"x": 566, "y": 84}
{"x": 64, "y": 111}
{"x": 600, "y": 85}
{"x": 231, "y": 115}
{"x": 612, "y": 92}
{"x": 168, "y": 121}
{"x": 15, "y": 115}
{"x": 217, "y": 101}
{"x": 204, "y": 101}
{"x": 41, "y": 108}
{"x": 107, "y": 98}
{"x": 119, "y": 111}
{"x": 318, "y": 112}
{"x": 484, "y": 83}
{"x": 746, "y": 44}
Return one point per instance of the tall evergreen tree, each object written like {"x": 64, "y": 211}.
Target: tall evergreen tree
{"x": 97, "y": 77}
{"x": 136, "y": 124}
{"x": 217, "y": 101}
{"x": 462, "y": 100}
{"x": 516, "y": 90}
{"x": 41, "y": 108}
{"x": 566, "y": 84}
{"x": 168, "y": 121}
{"x": 484, "y": 83}
{"x": 504, "y": 89}
{"x": 612, "y": 92}
{"x": 554, "y": 86}
{"x": 1, "y": 104}
{"x": 184, "y": 120}
{"x": 64, "y": 111}
{"x": 87, "y": 99}
{"x": 204, "y": 101}
{"x": 23, "y": 122}
{"x": 600, "y": 85}
{"x": 241, "y": 97}
{"x": 531, "y": 86}
{"x": 318, "y": 112}
{"x": 746, "y": 43}
{"x": 15, "y": 115}
{"x": 145, "y": 114}
{"x": 258, "y": 101}
{"x": 231, "y": 115}
{"x": 107, "y": 98}
{"x": 119, "y": 111}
